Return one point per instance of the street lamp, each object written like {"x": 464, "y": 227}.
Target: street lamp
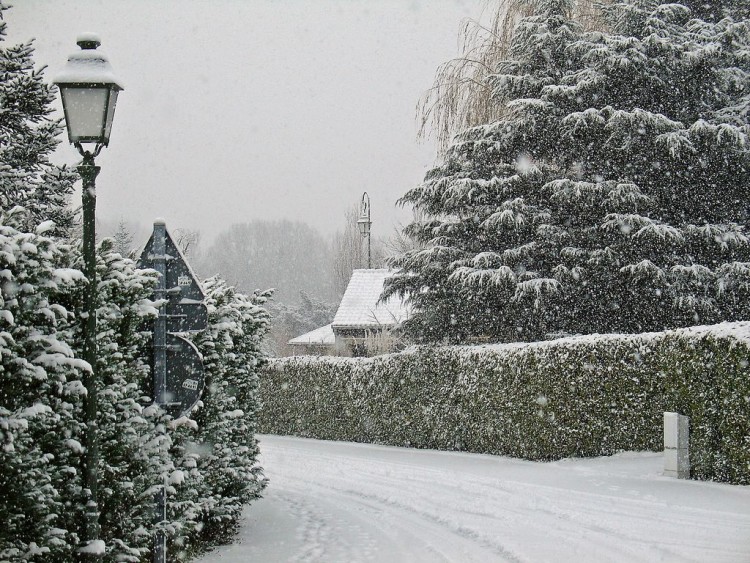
{"x": 89, "y": 91}
{"x": 364, "y": 223}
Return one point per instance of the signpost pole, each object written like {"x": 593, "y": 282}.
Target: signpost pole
{"x": 160, "y": 372}
{"x": 183, "y": 310}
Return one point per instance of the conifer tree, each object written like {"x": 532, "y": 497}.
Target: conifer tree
{"x": 612, "y": 195}
{"x": 40, "y": 377}
{"x": 216, "y": 470}
{"x": 41, "y": 393}
{"x": 40, "y": 396}
{"x": 232, "y": 355}
{"x": 131, "y": 457}
{"x": 28, "y": 136}
{"x": 41, "y": 390}
{"x": 123, "y": 240}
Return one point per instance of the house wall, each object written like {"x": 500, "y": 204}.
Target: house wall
{"x": 364, "y": 342}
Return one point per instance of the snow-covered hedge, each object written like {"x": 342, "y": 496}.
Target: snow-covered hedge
{"x": 584, "y": 396}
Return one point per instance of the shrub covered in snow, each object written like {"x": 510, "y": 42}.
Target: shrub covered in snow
{"x": 210, "y": 465}
{"x": 131, "y": 460}
{"x": 40, "y": 396}
{"x": 40, "y": 376}
{"x": 585, "y": 396}
{"x": 209, "y": 460}
{"x": 216, "y": 456}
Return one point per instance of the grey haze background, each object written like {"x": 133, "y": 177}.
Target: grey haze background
{"x": 235, "y": 110}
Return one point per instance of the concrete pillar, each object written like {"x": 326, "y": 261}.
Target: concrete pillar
{"x": 676, "y": 445}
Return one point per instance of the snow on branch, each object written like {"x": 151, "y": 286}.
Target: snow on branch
{"x": 693, "y": 272}
{"x": 624, "y": 223}
{"x": 644, "y": 270}
{"x": 472, "y": 277}
{"x": 676, "y": 143}
{"x": 725, "y": 235}
{"x": 537, "y": 289}
{"x": 661, "y": 232}
{"x": 724, "y": 134}
{"x": 565, "y": 190}
{"x": 511, "y": 215}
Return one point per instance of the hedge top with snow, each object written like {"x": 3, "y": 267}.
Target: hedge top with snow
{"x": 583, "y": 396}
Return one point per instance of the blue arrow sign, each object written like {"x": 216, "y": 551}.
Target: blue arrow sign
{"x": 185, "y": 310}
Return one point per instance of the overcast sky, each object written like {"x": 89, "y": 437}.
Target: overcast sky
{"x": 235, "y": 110}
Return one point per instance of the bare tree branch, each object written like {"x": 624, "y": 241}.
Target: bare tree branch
{"x": 460, "y": 96}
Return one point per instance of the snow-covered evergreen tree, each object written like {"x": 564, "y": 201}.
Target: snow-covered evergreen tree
{"x": 612, "y": 196}
{"x": 40, "y": 396}
{"x": 40, "y": 378}
{"x": 132, "y": 457}
{"x": 28, "y": 136}
{"x": 123, "y": 240}
{"x": 41, "y": 393}
{"x": 215, "y": 451}
{"x": 232, "y": 356}
{"x": 41, "y": 390}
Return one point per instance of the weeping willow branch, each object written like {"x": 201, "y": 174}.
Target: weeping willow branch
{"x": 460, "y": 96}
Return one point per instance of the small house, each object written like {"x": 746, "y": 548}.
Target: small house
{"x": 318, "y": 342}
{"x": 363, "y": 325}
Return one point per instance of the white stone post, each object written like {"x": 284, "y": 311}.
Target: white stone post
{"x": 676, "y": 445}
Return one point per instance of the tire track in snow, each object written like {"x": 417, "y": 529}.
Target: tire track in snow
{"x": 438, "y": 536}
{"x": 550, "y": 523}
{"x": 354, "y": 502}
{"x": 324, "y": 537}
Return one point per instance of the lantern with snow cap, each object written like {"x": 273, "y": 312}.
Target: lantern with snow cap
{"x": 89, "y": 89}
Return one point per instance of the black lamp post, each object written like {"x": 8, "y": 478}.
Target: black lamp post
{"x": 364, "y": 223}
{"x": 89, "y": 93}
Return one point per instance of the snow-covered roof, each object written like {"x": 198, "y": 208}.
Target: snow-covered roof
{"x": 359, "y": 307}
{"x": 322, "y": 336}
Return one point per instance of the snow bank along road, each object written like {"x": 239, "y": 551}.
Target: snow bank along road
{"x": 334, "y": 501}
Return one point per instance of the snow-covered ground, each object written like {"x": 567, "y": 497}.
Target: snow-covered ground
{"x": 334, "y": 501}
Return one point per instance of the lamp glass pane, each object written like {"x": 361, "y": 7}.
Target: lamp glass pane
{"x": 85, "y": 110}
{"x": 110, "y": 113}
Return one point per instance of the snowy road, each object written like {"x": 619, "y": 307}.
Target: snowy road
{"x": 333, "y": 501}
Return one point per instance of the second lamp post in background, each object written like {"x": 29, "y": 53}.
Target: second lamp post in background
{"x": 364, "y": 223}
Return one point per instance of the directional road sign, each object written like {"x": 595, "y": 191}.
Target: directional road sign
{"x": 186, "y": 311}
